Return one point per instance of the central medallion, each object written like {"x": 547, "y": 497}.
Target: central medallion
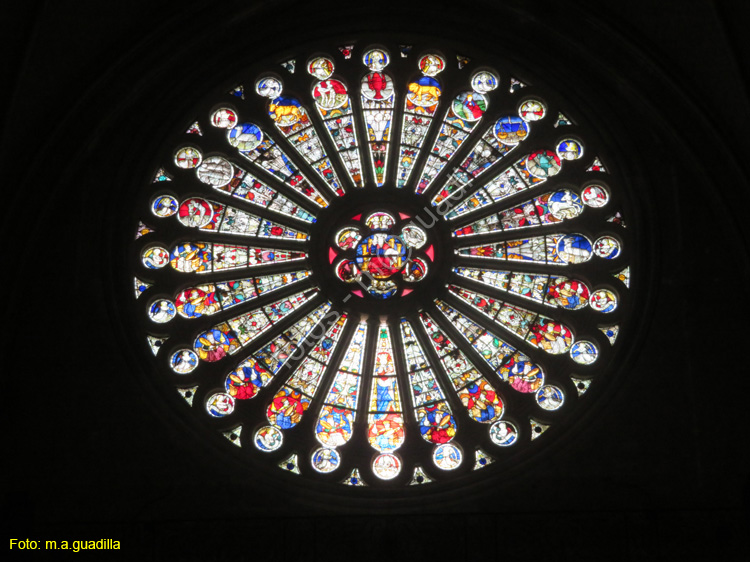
{"x": 382, "y": 255}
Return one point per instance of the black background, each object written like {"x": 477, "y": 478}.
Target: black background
{"x": 94, "y": 449}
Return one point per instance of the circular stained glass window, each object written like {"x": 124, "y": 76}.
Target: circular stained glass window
{"x": 374, "y": 268}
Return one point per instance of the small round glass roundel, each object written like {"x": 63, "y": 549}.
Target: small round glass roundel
{"x": 320, "y": 67}
{"x": 268, "y": 438}
{"x": 584, "y": 352}
{"x": 348, "y": 271}
{"x": 215, "y": 171}
{"x": 543, "y": 164}
{"x": 183, "y": 361}
{"x": 415, "y": 270}
{"x": 224, "y": 118}
{"x": 268, "y": 87}
{"x": 155, "y": 257}
{"x": 386, "y": 466}
{"x": 469, "y": 106}
{"x": 532, "y": 110}
{"x": 245, "y": 137}
{"x": 511, "y": 130}
{"x": 595, "y": 196}
{"x": 188, "y": 157}
{"x": 603, "y": 300}
{"x": 484, "y": 82}
{"x": 414, "y": 237}
{"x": 164, "y": 206}
{"x": 325, "y": 459}
{"x": 569, "y": 149}
{"x": 330, "y": 94}
{"x": 195, "y": 212}
{"x": 347, "y": 238}
{"x": 503, "y": 433}
{"x": 220, "y": 405}
{"x": 447, "y": 456}
{"x": 382, "y": 289}
{"x": 607, "y": 247}
{"x": 376, "y": 59}
{"x": 162, "y": 311}
{"x": 574, "y": 248}
{"x": 549, "y": 397}
{"x": 431, "y": 65}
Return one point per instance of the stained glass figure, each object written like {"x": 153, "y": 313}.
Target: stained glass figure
{"x": 603, "y": 300}
{"x": 584, "y": 352}
{"x": 447, "y": 456}
{"x": 164, "y": 206}
{"x": 607, "y": 247}
{"x": 155, "y": 257}
{"x": 325, "y": 460}
{"x": 386, "y": 466}
{"x": 264, "y": 153}
{"x": 595, "y": 195}
{"x": 385, "y": 421}
{"x": 532, "y": 110}
{"x": 183, "y": 361}
{"x": 504, "y": 433}
{"x": 224, "y": 118}
{"x": 420, "y": 105}
{"x": 549, "y": 397}
{"x": 334, "y": 426}
{"x": 219, "y": 405}
{"x": 268, "y": 438}
{"x": 162, "y": 311}
{"x": 378, "y": 99}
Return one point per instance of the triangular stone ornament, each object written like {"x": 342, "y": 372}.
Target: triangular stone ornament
{"x": 234, "y": 435}
{"x": 624, "y": 276}
{"x": 188, "y": 394}
{"x": 346, "y": 50}
{"x": 142, "y": 230}
{"x": 140, "y": 286}
{"x": 515, "y": 85}
{"x": 582, "y": 385}
{"x": 404, "y": 50}
{"x": 238, "y": 92}
{"x": 354, "y": 479}
{"x": 290, "y": 464}
{"x": 161, "y": 175}
{"x": 462, "y": 61}
{"x": 597, "y": 166}
{"x": 195, "y": 129}
{"x": 155, "y": 343}
{"x": 289, "y": 65}
{"x": 562, "y": 121}
{"x": 537, "y": 428}
{"x": 611, "y": 332}
{"x": 482, "y": 459}
{"x": 617, "y": 219}
{"x": 419, "y": 477}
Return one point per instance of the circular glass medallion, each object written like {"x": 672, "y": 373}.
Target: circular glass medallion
{"x": 469, "y": 106}
{"x": 162, "y": 311}
{"x": 484, "y": 82}
{"x": 607, "y": 247}
{"x": 511, "y": 130}
{"x": 220, "y": 405}
{"x": 245, "y": 137}
{"x": 183, "y": 361}
{"x": 532, "y": 110}
{"x": 584, "y": 352}
{"x": 447, "y": 456}
{"x": 325, "y": 459}
{"x": 164, "y": 206}
{"x": 503, "y": 433}
{"x": 224, "y": 118}
{"x": 603, "y": 300}
{"x": 381, "y": 255}
{"x": 386, "y": 466}
{"x": 215, "y": 171}
{"x": 549, "y": 397}
{"x": 268, "y": 438}
{"x": 188, "y": 157}
{"x": 595, "y": 196}
{"x": 155, "y": 257}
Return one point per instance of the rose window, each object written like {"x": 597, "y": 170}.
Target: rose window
{"x": 384, "y": 266}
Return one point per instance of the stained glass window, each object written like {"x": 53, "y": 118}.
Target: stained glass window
{"x": 384, "y": 265}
